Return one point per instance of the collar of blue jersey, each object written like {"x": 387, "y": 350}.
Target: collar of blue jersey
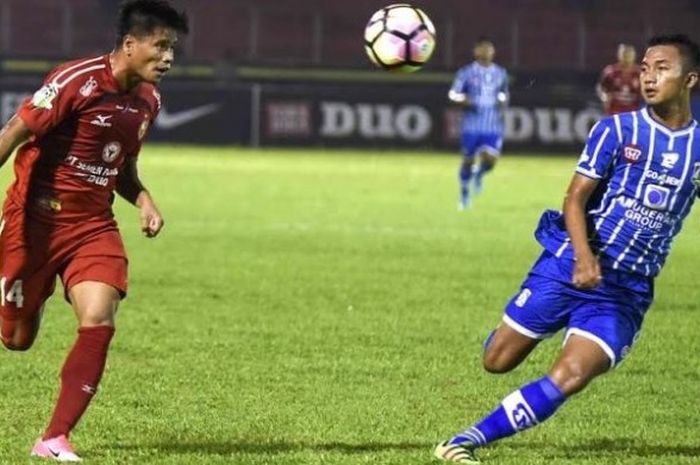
{"x": 666, "y": 130}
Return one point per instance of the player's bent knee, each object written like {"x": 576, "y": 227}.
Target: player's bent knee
{"x": 17, "y": 344}
{"x": 570, "y": 376}
{"x": 496, "y": 362}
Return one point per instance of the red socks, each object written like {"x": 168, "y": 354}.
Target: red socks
{"x": 79, "y": 378}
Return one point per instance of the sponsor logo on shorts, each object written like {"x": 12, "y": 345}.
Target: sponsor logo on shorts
{"x": 522, "y": 297}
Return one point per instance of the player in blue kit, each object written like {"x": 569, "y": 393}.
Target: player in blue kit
{"x": 636, "y": 181}
{"x": 482, "y": 89}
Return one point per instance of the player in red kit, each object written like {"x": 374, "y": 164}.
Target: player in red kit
{"x": 618, "y": 87}
{"x": 79, "y": 138}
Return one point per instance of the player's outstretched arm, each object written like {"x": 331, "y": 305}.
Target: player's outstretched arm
{"x": 587, "y": 273}
{"x": 129, "y": 187}
{"x": 12, "y": 135}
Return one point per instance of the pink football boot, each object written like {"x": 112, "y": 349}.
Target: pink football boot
{"x": 57, "y": 448}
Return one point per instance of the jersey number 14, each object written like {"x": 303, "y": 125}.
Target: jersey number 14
{"x": 14, "y": 294}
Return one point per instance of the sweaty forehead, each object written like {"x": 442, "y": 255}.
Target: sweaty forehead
{"x": 160, "y": 34}
{"x": 667, "y": 53}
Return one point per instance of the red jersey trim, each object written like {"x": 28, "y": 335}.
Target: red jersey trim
{"x": 77, "y": 73}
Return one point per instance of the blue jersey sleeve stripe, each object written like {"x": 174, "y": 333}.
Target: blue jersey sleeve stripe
{"x": 596, "y": 152}
{"x": 618, "y": 128}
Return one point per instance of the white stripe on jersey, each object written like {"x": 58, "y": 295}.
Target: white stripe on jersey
{"x": 625, "y": 177}
{"x": 598, "y": 147}
{"x": 563, "y": 247}
{"x": 78, "y": 73}
{"x": 604, "y": 215}
{"x": 621, "y": 257}
{"x": 614, "y": 234}
{"x": 78, "y": 65}
{"x": 652, "y": 139}
{"x": 646, "y": 252}
{"x": 618, "y": 128}
{"x": 688, "y": 156}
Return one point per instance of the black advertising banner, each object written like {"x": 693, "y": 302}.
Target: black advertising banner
{"x": 352, "y": 115}
{"x": 193, "y": 113}
{"x": 413, "y": 117}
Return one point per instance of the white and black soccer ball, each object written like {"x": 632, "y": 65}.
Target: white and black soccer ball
{"x": 400, "y": 38}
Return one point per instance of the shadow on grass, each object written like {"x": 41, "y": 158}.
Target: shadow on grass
{"x": 267, "y": 447}
{"x": 631, "y": 447}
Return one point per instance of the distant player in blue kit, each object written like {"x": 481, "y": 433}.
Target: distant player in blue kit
{"x": 636, "y": 181}
{"x": 482, "y": 89}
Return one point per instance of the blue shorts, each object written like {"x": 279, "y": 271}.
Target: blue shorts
{"x": 474, "y": 143}
{"x": 610, "y": 315}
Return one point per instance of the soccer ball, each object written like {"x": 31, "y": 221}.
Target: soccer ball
{"x": 400, "y": 38}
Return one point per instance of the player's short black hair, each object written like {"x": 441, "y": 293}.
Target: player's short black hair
{"x": 483, "y": 40}
{"x": 142, "y": 17}
{"x": 688, "y": 49}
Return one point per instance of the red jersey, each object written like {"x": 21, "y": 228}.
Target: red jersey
{"x": 84, "y": 128}
{"x": 623, "y": 88}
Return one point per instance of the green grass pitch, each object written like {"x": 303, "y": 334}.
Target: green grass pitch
{"x": 311, "y": 307}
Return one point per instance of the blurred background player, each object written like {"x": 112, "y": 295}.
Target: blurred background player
{"x": 482, "y": 89}
{"x": 618, "y": 87}
{"x": 596, "y": 274}
{"x": 80, "y": 136}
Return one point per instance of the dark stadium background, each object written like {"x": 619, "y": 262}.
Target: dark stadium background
{"x": 286, "y": 72}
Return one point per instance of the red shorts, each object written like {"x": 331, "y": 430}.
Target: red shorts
{"x": 33, "y": 253}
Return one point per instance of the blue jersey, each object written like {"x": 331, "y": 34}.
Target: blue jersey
{"x": 649, "y": 177}
{"x": 482, "y": 84}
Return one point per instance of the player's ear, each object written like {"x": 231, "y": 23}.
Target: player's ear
{"x": 692, "y": 79}
{"x": 128, "y": 44}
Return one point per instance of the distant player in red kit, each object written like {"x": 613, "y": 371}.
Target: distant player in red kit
{"x": 618, "y": 87}
{"x": 79, "y": 137}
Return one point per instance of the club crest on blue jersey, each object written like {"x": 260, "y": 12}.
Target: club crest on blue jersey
{"x": 632, "y": 153}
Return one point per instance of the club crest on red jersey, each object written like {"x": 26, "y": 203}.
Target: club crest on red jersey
{"x": 88, "y": 87}
{"x": 632, "y": 153}
{"x": 111, "y": 151}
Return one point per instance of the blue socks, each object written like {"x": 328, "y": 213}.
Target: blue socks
{"x": 520, "y": 410}
{"x": 465, "y": 175}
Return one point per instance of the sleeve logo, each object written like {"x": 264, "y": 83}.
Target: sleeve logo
{"x": 43, "y": 98}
